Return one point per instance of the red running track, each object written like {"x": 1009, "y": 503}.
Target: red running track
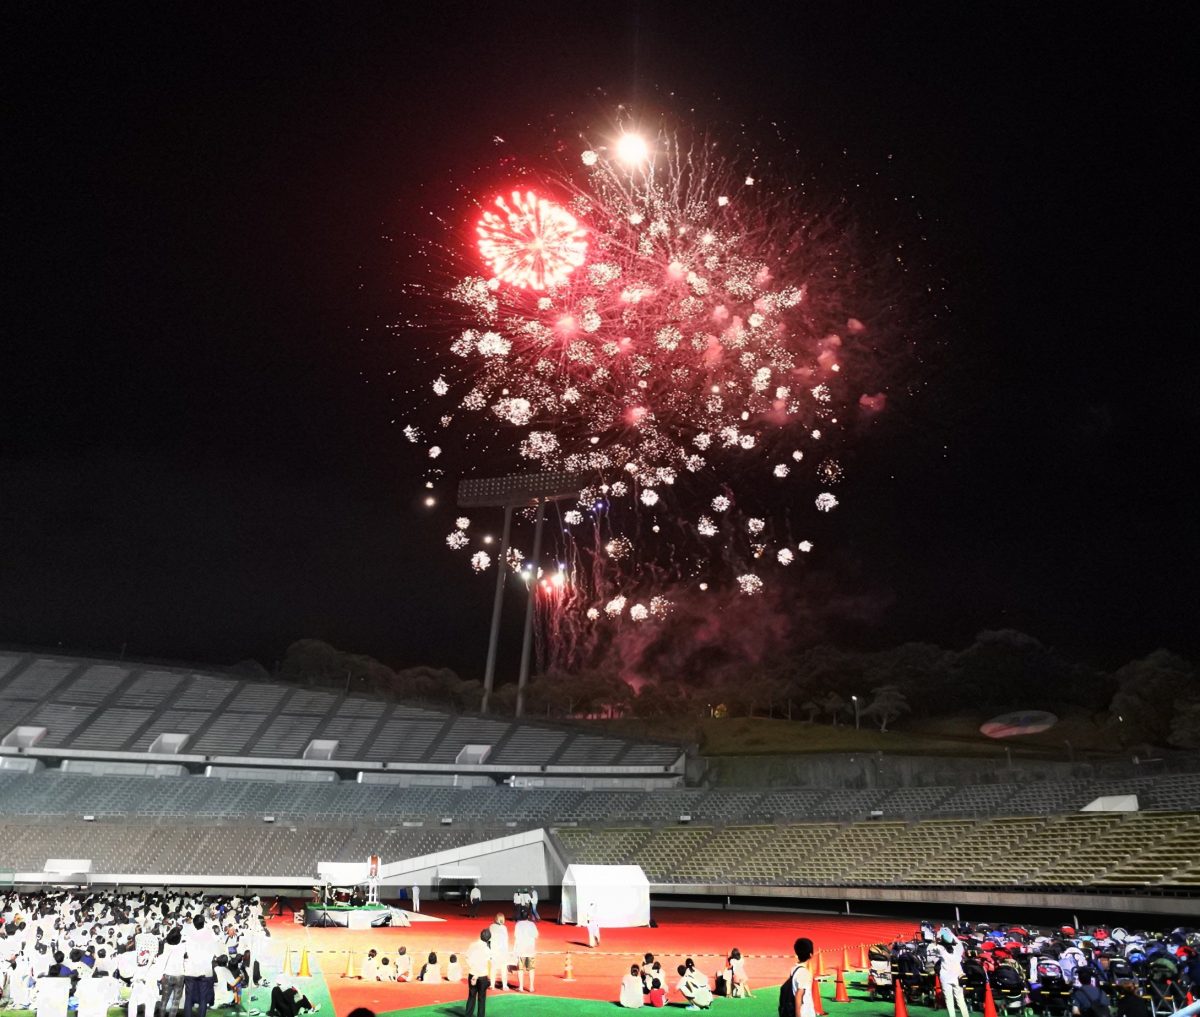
{"x": 764, "y": 938}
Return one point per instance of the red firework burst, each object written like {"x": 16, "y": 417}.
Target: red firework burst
{"x": 530, "y": 242}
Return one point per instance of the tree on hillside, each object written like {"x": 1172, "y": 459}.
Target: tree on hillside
{"x": 832, "y": 704}
{"x": 1149, "y": 693}
{"x": 1185, "y": 727}
{"x": 888, "y": 702}
{"x": 314, "y": 662}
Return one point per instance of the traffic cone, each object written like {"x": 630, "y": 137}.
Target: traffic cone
{"x": 568, "y": 974}
{"x": 818, "y": 1009}
{"x": 820, "y": 964}
{"x": 989, "y": 1004}
{"x": 287, "y": 962}
{"x": 845, "y": 958}
{"x": 304, "y": 972}
{"x": 350, "y": 972}
{"x": 901, "y": 1002}
{"x": 862, "y": 958}
{"x": 840, "y": 995}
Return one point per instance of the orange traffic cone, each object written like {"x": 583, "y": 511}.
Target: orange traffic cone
{"x": 862, "y": 958}
{"x": 304, "y": 972}
{"x": 845, "y": 958}
{"x": 568, "y": 974}
{"x": 820, "y": 973}
{"x": 840, "y": 995}
{"x": 989, "y": 1004}
{"x": 350, "y": 972}
{"x": 818, "y": 1009}
{"x": 287, "y": 962}
{"x": 901, "y": 1002}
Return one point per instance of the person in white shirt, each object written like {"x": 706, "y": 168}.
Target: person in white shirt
{"x": 404, "y": 965}
{"x": 499, "y": 943}
{"x": 949, "y": 956}
{"x": 453, "y": 969}
{"x": 416, "y": 898}
{"x": 525, "y": 936}
{"x": 631, "y": 989}
{"x": 479, "y": 980}
{"x": 172, "y": 974}
{"x": 202, "y": 946}
{"x": 802, "y": 979}
{"x": 431, "y": 971}
{"x": 474, "y": 897}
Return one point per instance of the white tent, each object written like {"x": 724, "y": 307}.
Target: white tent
{"x": 620, "y": 895}
{"x": 1112, "y": 803}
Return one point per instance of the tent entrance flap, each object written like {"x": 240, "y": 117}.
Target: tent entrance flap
{"x": 618, "y": 895}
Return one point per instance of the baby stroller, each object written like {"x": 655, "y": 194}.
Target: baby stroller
{"x": 1051, "y": 992}
{"x": 1008, "y": 988}
{"x": 879, "y": 972}
{"x": 909, "y": 972}
{"x": 974, "y": 982}
{"x": 1167, "y": 994}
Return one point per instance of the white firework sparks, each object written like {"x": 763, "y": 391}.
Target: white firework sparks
{"x": 481, "y": 561}
{"x": 750, "y": 584}
{"x": 826, "y": 502}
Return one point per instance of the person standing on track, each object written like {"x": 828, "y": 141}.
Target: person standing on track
{"x": 479, "y": 974}
{"x": 525, "y": 936}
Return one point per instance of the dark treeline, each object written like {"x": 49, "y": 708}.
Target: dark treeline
{"x": 1153, "y": 701}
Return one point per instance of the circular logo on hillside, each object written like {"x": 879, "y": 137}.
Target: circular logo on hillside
{"x": 1021, "y": 722}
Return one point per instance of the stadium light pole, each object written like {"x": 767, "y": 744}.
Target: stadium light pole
{"x": 854, "y": 700}
{"x": 516, "y": 491}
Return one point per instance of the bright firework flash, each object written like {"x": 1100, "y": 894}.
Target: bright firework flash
{"x": 678, "y": 327}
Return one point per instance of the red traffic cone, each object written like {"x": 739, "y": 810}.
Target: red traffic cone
{"x": 818, "y": 1009}
{"x": 569, "y": 973}
{"x": 820, "y": 972}
{"x": 901, "y": 1002}
{"x": 862, "y": 958}
{"x": 845, "y": 958}
{"x": 989, "y": 1004}
{"x": 840, "y": 995}
{"x": 1190, "y": 998}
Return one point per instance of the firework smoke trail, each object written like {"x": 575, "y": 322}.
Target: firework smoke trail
{"x": 674, "y": 329}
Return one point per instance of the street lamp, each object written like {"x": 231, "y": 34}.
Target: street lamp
{"x": 854, "y": 700}
{"x": 517, "y": 491}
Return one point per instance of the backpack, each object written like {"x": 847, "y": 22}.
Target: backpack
{"x": 787, "y": 995}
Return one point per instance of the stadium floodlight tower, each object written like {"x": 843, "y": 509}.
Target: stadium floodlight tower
{"x": 520, "y": 490}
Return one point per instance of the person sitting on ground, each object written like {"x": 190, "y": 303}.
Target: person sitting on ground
{"x": 631, "y": 988}
{"x": 430, "y": 971}
{"x": 693, "y": 987}
{"x": 645, "y": 971}
{"x": 657, "y": 996}
{"x": 370, "y": 966}
{"x": 404, "y": 965}
{"x": 386, "y": 972}
{"x": 289, "y": 1003}
{"x": 453, "y": 969}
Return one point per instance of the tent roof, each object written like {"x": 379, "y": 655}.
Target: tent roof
{"x": 605, "y": 875}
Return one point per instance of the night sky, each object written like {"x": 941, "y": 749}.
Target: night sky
{"x": 197, "y": 460}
